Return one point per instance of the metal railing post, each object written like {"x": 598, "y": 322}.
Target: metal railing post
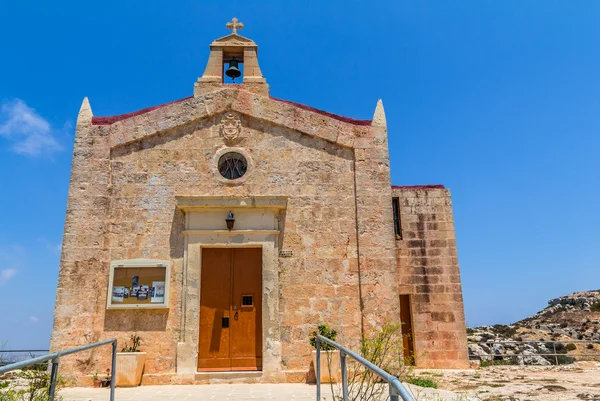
{"x": 393, "y": 393}
{"x": 555, "y": 354}
{"x": 53, "y": 377}
{"x": 113, "y": 372}
{"x": 344, "y": 375}
{"x": 318, "y": 368}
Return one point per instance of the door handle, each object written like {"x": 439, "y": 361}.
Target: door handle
{"x": 235, "y": 316}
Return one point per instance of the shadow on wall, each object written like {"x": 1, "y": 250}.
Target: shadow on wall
{"x": 136, "y": 320}
{"x": 176, "y": 240}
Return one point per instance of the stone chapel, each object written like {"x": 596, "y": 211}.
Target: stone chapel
{"x": 223, "y": 228}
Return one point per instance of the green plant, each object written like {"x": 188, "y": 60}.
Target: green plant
{"x": 326, "y": 332}
{"x": 590, "y": 346}
{"x": 570, "y": 347}
{"x": 37, "y": 384}
{"x": 384, "y": 348}
{"x": 421, "y": 381}
{"x": 95, "y": 376}
{"x": 595, "y": 307}
{"x": 106, "y": 380}
{"x": 470, "y": 331}
{"x": 565, "y": 360}
{"x": 504, "y": 330}
{"x": 134, "y": 346}
{"x": 485, "y": 363}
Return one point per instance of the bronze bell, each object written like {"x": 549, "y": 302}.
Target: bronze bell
{"x": 233, "y": 71}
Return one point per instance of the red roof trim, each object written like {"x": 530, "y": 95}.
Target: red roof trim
{"x": 417, "y": 187}
{"x": 112, "y": 119}
{"x": 107, "y": 120}
{"x": 325, "y": 113}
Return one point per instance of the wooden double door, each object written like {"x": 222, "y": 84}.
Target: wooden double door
{"x": 230, "y": 310}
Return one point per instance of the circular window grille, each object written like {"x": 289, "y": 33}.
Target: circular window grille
{"x": 232, "y": 165}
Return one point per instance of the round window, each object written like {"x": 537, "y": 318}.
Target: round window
{"x": 232, "y": 165}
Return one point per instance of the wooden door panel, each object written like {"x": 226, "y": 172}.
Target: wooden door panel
{"x": 215, "y": 302}
{"x": 407, "y": 329}
{"x": 246, "y": 322}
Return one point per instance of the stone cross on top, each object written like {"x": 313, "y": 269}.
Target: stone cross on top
{"x": 234, "y": 25}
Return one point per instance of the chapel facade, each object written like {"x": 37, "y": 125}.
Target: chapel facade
{"x": 223, "y": 228}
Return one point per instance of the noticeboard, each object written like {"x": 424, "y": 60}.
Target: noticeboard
{"x": 139, "y": 283}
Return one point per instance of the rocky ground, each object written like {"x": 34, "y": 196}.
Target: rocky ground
{"x": 579, "y": 381}
{"x": 568, "y": 319}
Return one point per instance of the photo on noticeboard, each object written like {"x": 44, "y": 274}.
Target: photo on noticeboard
{"x": 157, "y": 292}
{"x": 118, "y": 294}
{"x": 142, "y": 293}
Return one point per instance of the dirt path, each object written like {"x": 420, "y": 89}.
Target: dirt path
{"x": 577, "y": 382}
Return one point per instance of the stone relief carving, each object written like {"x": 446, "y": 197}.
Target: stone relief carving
{"x": 231, "y": 128}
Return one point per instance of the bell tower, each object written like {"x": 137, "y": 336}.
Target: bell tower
{"x": 232, "y": 50}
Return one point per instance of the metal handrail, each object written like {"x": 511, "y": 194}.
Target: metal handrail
{"x": 55, "y": 358}
{"x": 29, "y": 353}
{"x": 395, "y": 386}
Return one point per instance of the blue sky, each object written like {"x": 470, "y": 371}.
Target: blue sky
{"x": 497, "y": 100}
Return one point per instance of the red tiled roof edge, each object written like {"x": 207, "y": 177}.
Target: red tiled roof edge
{"x": 107, "y": 120}
{"x": 325, "y": 113}
{"x": 417, "y": 187}
{"x": 112, "y": 119}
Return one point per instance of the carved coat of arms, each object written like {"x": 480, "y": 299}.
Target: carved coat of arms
{"x": 231, "y": 128}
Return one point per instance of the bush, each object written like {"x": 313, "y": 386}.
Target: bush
{"x": 485, "y": 363}
{"x": 504, "y": 330}
{"x": 565, "y": 360}
{"x": 590, "y": 346}
{"x": 570, "y": 347}
{"x": 421, "y": 381}
{"x": 383, "y": 348}
{"x": 36, "y": 388}
{"x": 595, "y": 307}
{"x": 326, "y": 332}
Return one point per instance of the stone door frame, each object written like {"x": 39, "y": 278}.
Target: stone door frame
{"x": 268, "y": 241}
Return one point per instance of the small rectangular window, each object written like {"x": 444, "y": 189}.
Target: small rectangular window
{"x": 397, "y": 222}
{"x": 247, "y": 300}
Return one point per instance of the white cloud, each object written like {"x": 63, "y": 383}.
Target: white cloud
{"x": 30, "y": 133}
{"x": 34, "y": 319}
{"x": 6, "y": 275}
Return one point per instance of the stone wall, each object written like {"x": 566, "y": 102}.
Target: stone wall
{"x": 428, "y": 271}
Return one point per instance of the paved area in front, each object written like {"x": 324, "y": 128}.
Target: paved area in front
{"x": 213, "y": 392}
{"x": 237, "y": 392}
